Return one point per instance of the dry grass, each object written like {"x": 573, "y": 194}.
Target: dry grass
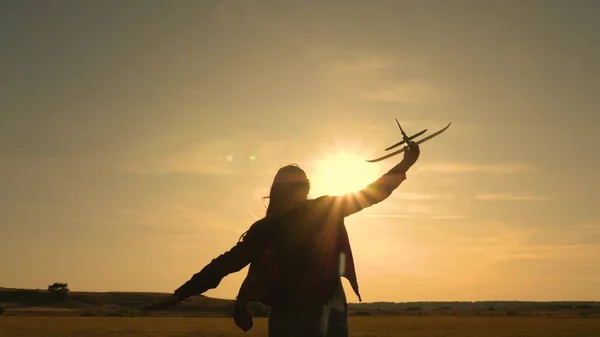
{"x": 21, "y": 326}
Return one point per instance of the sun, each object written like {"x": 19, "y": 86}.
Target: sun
{"x": 342, "y": 172}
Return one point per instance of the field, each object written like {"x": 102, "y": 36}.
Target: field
{"x": 397, "y": 326}
{"x": 35, "y": 313}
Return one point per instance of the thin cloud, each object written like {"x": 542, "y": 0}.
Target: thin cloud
{"x": 389, "y": 215}
{"x": 509, "y": 197}
{"x": 169, "y": 168}
{"x": 412, "y": 91}
{"x": 414, "y": 212}
{"x": 508, "y": 243}
{"x": 573, "y": 234}
{"x": 448, "y": 217}
{"x": 224, "y": 156}
{"x": 420, "y": 196}
{"x": 413, "y": 205}
{"x": 361, "y": 67}
{"x": 415, "y": 216}
{"x": 380, "y": 77}
{"x": 501, "y": 168}
{"x": 176, "y": 218}
{"x": 587, "y": 228}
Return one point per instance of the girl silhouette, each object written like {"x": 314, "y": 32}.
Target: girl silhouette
{"x": 297, "y": 255}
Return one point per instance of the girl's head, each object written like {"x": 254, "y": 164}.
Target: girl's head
{"x": 290, "y": 187}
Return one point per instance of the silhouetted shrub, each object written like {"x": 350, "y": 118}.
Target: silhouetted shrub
{"x": 58, "y": 291}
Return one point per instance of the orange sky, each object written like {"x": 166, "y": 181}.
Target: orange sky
{"x": 126, "y": 137}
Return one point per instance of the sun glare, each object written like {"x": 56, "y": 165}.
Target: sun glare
{"x": 342, "y": 173}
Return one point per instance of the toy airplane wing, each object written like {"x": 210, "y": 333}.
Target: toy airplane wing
{"x": 406, "y": 139}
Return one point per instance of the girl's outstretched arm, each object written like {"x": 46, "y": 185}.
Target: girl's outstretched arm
{"x": 380, "y": 189}
{"x": 234, "y": 260}
{"x": 211, "y": 275}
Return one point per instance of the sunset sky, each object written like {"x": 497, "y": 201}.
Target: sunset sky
{"x": 138, "y": 137}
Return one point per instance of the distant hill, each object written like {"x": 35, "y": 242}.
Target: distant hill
{"x": 34, "y": 301}
{"x": 492, "y": 305}
{"x": 40, "y": 302}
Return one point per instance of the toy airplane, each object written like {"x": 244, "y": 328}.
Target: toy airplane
{"x": 406, "y": 140}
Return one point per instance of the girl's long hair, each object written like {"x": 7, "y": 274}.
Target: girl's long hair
{"x": 290, "y": 186}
